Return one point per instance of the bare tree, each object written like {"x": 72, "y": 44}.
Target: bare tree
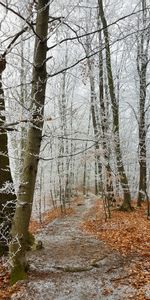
{"x": 104, "y": 118}
{"x": 31, "y": 158}
{"x": 126, "y": 205}
{"x": 142, "y": 66}
{"x": 7, "y": 192}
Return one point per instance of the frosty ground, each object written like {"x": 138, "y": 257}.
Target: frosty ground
{"x": 76, "y": 266}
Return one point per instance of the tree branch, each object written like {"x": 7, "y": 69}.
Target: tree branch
{"x": 70, "y": 155}
{"x": 97, "y": 30}
{"x": 21, "y": 17}
{"x": 13, "y": 41}
{"x": 136, "y": 117}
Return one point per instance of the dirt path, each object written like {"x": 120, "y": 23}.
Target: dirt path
{"x": 73, "y": 265}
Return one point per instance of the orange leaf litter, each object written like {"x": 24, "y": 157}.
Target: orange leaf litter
{"x": 127, "y": 233}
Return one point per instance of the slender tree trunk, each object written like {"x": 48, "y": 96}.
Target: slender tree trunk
{"x": 71, "y": 150}
{"x": 94, "y": 109}
{"x": 98, "y": 168}
{"x": 23, "y": 100}
{"x": 142, "y": 140}
{"x": 104, "y": 122}
{"x": 64, "y": 131}
{"x": 142, "y": 64}
{"x": 126, "y": 205}
{"x": 85, "y": 162}
{"x": 61, "y": 163}
{"x": 7, "y": 193}
{"x": 96, "y": 127}
{"x": 26, "y": 189}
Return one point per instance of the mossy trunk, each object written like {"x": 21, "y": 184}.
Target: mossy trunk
{"x": 22, "y": 215}
{"x": 7, "y": 193}
{"x": 126, "y": 205}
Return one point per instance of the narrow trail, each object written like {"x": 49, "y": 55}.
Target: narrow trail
{"x": 73, "y": 265}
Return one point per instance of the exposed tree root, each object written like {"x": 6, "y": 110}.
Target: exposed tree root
{"x": 74, "y": 269}
{"x": 94, "y": 264}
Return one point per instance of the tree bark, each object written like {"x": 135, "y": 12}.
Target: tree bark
{"x": 142, "y": 139}
{"x": 142, "y": 64}
{"x": 7, "y": 192}
{"x": 95, "y": 121}
{"x": 26, "y": 189}
{"x": 98, "y": 165}
{"x": 126, "y": 205}
{"x": 104, "y": 123}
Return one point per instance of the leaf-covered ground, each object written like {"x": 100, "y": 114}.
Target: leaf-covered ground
{"x": 128, "y": 234}
{"x": 86, "y": 258}
{"x": 5, "y": 290}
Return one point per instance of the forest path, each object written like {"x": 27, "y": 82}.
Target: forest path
{"x": 73, "y": 265}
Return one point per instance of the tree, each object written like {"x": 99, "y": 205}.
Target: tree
{"x": 104, "y": 117}
{"x": 142, "y": 66}
{"x": 96, "y": 127}
{"x": 26, "y": 189}
{"x": 93, "y": 103}
{"x": 7, "y": 192}
{"x": 126, "y": 205}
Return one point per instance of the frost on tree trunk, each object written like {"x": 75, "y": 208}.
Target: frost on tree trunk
{"x": 142, "y": 66}
{"x": 26, "y": 189}
{"x": 126, "y": 205}
{"x": 104, "y": 116}
{"x": 94, "y": 110}
{"x": 7, "y": 194}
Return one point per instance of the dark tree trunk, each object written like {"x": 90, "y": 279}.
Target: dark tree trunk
{"x": 126, "y": 205}
{"x": 7, "y": 193}
{"x": 142, "y": 64}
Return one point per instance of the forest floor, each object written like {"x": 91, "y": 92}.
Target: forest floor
{"x": 86, "y": 258}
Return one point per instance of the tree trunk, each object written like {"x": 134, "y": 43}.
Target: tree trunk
{"x": 142, "y": 64}
{"x": 126, "y": 205}
{"x": 96, "y": 127}
{"x": 64, "y": 133}
{"x": 142, "y": 139}
{"x": 85, "y": 171}
{"x": 104, "y": 123}
{"x": 94, "y": 108}
{"x": 27, "y": 185}
{"x": 98, "y": 165}
{"x": 7, "y": 193}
